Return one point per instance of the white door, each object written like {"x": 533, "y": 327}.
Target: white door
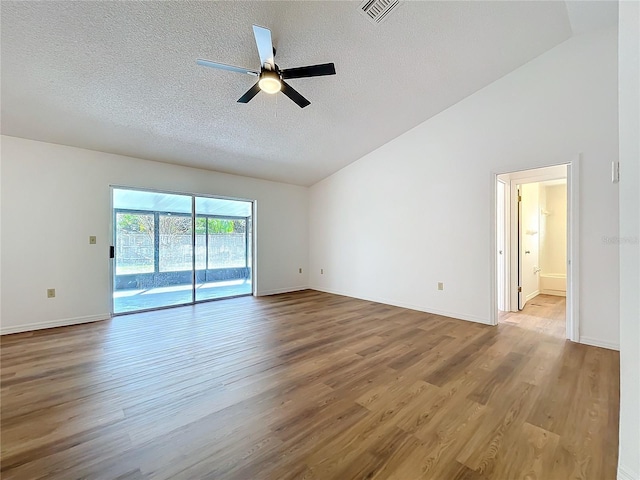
{"x": 528, "y": 248}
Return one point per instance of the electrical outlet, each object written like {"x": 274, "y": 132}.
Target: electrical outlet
{"x": 51, "y": 292}
{"x": 322, "y": 271}
{"x": 440, "y": 286}
{"x": 92, "y": 240}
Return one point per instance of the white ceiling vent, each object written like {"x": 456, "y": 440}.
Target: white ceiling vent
{"x": 377, "y": 10}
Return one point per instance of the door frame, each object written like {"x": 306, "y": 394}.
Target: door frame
{"x": 501, "y": 266}
{"x": 518, "y": 284}
{"x": 573, "y": 242}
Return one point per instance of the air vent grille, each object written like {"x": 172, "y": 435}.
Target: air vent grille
{"x": 378, "y": 10}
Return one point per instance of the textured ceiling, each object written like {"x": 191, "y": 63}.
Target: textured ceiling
{"x": 121, "y": 77}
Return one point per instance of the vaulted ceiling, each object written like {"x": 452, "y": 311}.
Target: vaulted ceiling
{"x": 121, "y": 77}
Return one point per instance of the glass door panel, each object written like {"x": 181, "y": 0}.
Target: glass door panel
{"x": 161, "y": 260}
{"x": 223, "y": 248}
{"x": 134, "y": 243}
{"x": 153, "y": 265}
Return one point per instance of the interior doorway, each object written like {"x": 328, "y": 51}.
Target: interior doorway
{"x": 534, "y": 222}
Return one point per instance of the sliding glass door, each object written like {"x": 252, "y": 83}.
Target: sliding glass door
{"x": 223, "y": 246}
{"x": 174, "y": 249}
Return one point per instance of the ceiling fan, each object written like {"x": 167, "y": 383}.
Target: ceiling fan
{"x": 271, "y": 78}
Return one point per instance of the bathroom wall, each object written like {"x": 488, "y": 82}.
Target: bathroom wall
{"x": 553, "y": 238}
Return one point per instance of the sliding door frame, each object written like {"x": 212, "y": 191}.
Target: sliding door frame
{"x": 250, "y": 240}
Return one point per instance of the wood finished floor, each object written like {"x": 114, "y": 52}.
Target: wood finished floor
{"x": 305, "y": 385}
{"x": 543, "y": 313}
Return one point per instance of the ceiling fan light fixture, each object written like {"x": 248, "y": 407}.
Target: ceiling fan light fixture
{"x": 269, "y": 82}
{"x": 271, "y": 78}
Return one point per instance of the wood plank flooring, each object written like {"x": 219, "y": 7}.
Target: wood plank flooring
{"x": 305, "y": 385}
{"x": 543, "y": 313}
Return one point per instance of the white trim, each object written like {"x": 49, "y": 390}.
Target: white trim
{"x": 254, "y": 248}
{"x": 532, "y": 295}
{"x": 573, "y": 241}
{"x": 507, "y": 248}
{"x": 493, "y": 242}
{"x": 535, "y": 177}
{"x": 573, "y": 249}
{"x": 63, "y": 322}
{"x": 409, "y": 306}
{"x": 594, "y": 342}
{"x": 278, "y": 291}
{"x": 557, "y": 293}
{"x": 112, "y": 243}
{"x": 625, "y": 473}
{"x": 514, "y": 276}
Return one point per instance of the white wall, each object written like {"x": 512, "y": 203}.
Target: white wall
{"x": 629, "y": 98}
{"x": 54, "y": 197}
{"x": 416, "y": 211}
{"x": 553, "y": 229}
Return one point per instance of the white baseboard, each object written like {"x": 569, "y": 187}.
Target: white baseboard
{"x": 64, "y": 322}
{"x": 557, "y": 293}
{"x": 454, "y": 315}
{"x": 625, "y": 473}
{"x": 595, "y": 342}
{"x": 263, "y": 293}
{"x": 532, "y": 295}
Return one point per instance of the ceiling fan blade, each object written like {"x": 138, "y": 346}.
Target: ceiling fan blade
{"x": 252, "y": 92}
{"x": 310, "y": 71}
{"x": 290, "y": 92}
{"x": 222, "y": 66}
{"x": 265, "y": 45}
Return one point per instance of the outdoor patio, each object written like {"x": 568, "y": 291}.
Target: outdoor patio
{"x": 125, "y": 301}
